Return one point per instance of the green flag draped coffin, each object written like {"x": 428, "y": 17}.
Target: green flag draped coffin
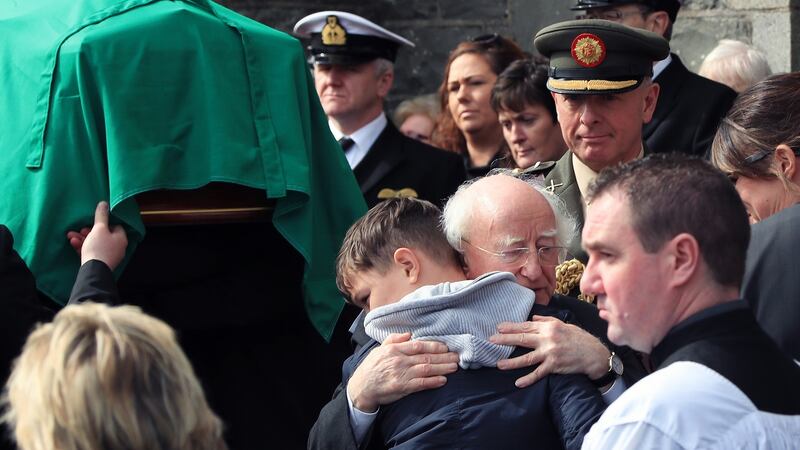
{"x": 108, "y": 99}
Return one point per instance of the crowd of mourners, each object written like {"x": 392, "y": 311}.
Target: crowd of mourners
{"x": 586, "y": 247}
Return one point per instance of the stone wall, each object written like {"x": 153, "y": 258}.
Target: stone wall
{"x": 436, "y": 26}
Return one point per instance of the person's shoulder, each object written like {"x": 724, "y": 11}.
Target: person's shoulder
{"x": 681, "y": 386}
{"x": 788, "y": 217}
{"x": 711, "y": 87}
{"x": 430, "y": 152}
{"x": 692, "y": 82}
{"x": 562, "y": 169}
{"x": 686, "y": 401}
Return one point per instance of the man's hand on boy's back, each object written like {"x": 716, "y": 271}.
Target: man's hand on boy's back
{"x": 398, "y": 367}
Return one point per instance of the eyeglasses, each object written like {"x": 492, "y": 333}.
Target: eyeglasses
{"x": 518, "y": 257}
{"x": 613, "y": 15}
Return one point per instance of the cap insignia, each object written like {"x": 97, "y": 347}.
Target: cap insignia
{"x": 588, "y": 50}
{"x": 391, "y": 193}
{"x": 333, "y": 33}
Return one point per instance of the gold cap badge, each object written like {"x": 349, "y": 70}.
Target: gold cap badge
{"x": 588, "y": 50}
{"x": 333, "y": 33}
{"x": 391, "y": 193}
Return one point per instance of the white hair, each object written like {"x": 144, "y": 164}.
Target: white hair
{"x": 460, "y": 211}
{"x": 383, "y": 65}
{"x": 735, "y": 64}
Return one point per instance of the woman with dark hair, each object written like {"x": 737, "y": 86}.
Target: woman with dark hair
{"x": 468, "y": 125}
{"x": 757, "y": 145}
{"x": 527, "y": 114}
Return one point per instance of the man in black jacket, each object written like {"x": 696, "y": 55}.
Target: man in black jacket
{"x": 353, "y": 62}
{"x": 666, "y": 275}
{"x": 681, "y": 122}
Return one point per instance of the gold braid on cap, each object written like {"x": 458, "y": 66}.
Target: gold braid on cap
{"x": 590, "y": 85}
{"x": 568, "y": 277}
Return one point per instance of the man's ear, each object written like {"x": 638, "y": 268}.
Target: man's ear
{"x": 385, "y": 82}
{"x": 786, "y": 161}
{"x": 683, "y": 258}
{"x": 650, "y": 100}
{"x": 409, "y": 262}
{"x": 657, "y": 22}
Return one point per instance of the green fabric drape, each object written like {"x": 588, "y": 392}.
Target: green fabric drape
{"x": 107, "y": 99}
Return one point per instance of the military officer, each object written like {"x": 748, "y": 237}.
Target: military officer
{"x": 599, "y": 76}
{"x": 353, "y": 61}
{"x": 680, "y": 123}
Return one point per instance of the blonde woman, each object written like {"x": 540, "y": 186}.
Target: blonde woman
{"x": 101, "y": 377}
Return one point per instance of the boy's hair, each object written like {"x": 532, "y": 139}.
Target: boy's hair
{"x": 101, "y": 377}
{"x": 394, "y": 223}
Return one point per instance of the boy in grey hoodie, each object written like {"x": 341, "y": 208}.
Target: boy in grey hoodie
{"x": 396, "y": 264}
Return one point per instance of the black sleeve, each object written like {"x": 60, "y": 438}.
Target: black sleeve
{"x": 332, "y": 429}
{"x": 575, "y": 405}
{"x": 20, "y": 305}
{"x": 95, "y": 282}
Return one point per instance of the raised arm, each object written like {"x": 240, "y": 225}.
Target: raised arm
{"x": 101, "y": 249}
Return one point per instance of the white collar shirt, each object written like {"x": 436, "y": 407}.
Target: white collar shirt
{"x": 661, "y": 65}
{"x": 687, "y": 405}
{"x": 363, "y": 138}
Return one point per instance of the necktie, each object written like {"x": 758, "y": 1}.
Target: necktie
{"x": 346, "y": 143}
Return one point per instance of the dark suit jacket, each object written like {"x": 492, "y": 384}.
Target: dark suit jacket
{"x": 771, "y": 285}
{"x": 482, "y": 408}
{"x": 21, "y": 309}
{"x": 20, "y": 305}
{"x": 565, "y": 186}
{"x": 396, "y": 161}
{"x": 333, "y": 430}
{"x": 688, "y": 111}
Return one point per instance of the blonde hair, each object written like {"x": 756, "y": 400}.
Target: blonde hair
{"x": 101, "y": 377}
{"x": 424, "y": 105}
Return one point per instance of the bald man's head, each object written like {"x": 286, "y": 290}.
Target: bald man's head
{"x": 494, "y": 219}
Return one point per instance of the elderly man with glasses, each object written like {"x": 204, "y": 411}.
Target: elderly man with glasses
{"x": 680, "y": 122}
{"x": 501, "y": 223}
{"x": 496, "y": 223}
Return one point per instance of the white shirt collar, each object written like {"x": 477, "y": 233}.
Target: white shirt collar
{"x": 661, "y": 65}
{"x": 363, "y": 138}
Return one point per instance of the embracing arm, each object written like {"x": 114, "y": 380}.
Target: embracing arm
{"x": 391, "y": 371}
{"x": 575, "y": 405}
{"x": 558, "y": 347}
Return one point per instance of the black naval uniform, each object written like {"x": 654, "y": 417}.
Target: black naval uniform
{"x": 397, "y": 162}
{"x": 688, "y": 111}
